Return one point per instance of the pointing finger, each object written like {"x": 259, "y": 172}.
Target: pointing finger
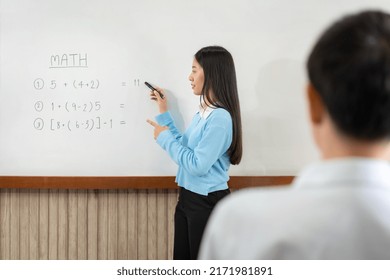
{"x": 152, "y": 123}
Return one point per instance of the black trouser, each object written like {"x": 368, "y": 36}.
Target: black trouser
{"x": 191, "y": 215}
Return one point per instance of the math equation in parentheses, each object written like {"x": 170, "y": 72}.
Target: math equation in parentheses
{"x": 70, "y": 106}
{"x": 96, "y": 123}
{"x": 41, "y": 84}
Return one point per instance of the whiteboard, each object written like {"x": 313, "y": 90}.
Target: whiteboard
{"x": 72, "y": 99}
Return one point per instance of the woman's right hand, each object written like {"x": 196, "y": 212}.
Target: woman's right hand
{"x": 160, "y": 99}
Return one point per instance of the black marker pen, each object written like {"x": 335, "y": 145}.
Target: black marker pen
{"x": 152, "y": 88}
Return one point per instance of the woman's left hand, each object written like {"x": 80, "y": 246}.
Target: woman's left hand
{"x": 157, "y": 128}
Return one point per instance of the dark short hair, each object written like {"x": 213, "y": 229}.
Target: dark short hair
{"x": 220, "y": 77}
{"x": 349, "y": 67}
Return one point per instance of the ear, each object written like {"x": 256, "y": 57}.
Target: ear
{"x": 316, "y": 106}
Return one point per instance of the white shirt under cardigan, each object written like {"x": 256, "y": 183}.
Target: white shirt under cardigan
{"x": 336, "y": 209}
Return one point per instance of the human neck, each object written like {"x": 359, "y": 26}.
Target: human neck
{"x": 335, "y": 145}
{"x": 378, "y": 150}
{"x": 204, "y": 103}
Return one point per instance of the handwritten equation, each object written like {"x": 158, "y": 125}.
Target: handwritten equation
{"x": 96, "y": 123}
{"x": 71, "y": 106}
{"x": 40, "y": 84}
{"x": 88, "y": 124}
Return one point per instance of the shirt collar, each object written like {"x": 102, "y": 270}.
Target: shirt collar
{"x": 346, "y": 171}
{"x": 204, "y": 112}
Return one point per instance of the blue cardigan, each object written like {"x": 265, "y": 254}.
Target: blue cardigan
{"x": 201, "y": 152}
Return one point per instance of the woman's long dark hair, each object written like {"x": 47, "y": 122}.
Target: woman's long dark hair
{"x": 220, "y": 90}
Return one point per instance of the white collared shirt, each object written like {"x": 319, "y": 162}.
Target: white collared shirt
{"x": 205, "y": 111}
{"x": 337, "y": 209}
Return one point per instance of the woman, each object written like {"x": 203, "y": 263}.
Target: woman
{"x": 205, "y": 151}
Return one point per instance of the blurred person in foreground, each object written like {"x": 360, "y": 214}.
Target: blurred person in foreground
{"x": 338, "y": 208}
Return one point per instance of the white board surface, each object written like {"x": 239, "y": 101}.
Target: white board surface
{"x": 72, "y": 99}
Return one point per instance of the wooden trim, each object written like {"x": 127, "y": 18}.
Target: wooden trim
{"x": 135, "y": 182}
{"x": 239, "y": 182}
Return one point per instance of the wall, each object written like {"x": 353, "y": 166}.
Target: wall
{"x": 73, "y": 101}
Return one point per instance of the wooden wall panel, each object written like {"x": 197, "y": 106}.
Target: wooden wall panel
{"x": 86, "y": 224}
{"x": 14, "y": 224}
{"x": 122, "y": 225}
{"x": 93, "y": 217}
{"x": 102, "y": 248}
{"x": 43, "y": 225}
{"x": 132, "y": 224}
{"x": 53, "y": 224}
{"x": 24, "y": 224}
{"x": 33, "y": 197}
{"x": 63, "y": 224}
{"x": 5, "y": 226}
{"x": 112, "y": 230}
{"x": 142, "y": 225}
{"x": 82, "y": 225}
{"x": 92, "y": 224}
{"x": 152, "y": 224}
{"x": 72, "y": 225}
